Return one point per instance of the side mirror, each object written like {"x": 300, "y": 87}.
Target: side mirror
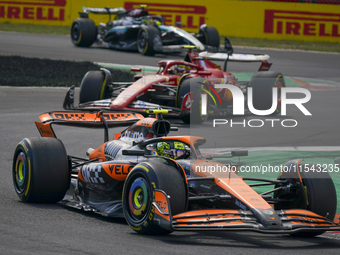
{"x": 337, "y": 161}
{"x": 239, "y": 153}
{"x": 204, "y": 73}
{"x": 133, "y": 152}
{"x": 179, "y": 24}
{"x": 136, "y": 69}
{"x": 227, "y": 45}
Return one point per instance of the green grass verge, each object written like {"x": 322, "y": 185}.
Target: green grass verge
{"x": 36, "y": 29}
{"x": 20, "y": 71}
{"x": 285, "y": 44}
{"x": 236, "y": 41}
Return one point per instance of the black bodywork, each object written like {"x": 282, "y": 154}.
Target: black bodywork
{"x": 136, "y": 30}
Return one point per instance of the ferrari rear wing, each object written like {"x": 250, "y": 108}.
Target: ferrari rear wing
{"x": 237, "y": 57}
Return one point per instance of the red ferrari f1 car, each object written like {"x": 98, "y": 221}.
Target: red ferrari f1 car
{"x": 159, "y": 183}
{"x": 187, "y": 87}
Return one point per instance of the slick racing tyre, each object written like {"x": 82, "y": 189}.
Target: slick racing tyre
{"x": 262, "y": 84}
{"x": 210, "y": 36}
{"x": 316, "y": 193}
{"x": 146, "y": 40}
{"x": 189, "y": 100}
{"x": 40, "y": 170}
{"x": 95, "y": 86}
{"x": 83, "y": 32}
{"x": 138, "y": 194}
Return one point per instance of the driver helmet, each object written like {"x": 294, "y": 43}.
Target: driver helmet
{"x": 135, "y": 13}
{"x": 170, "y": 149}
{"x": 147, "y": 21}
{"x": 180, "y": 69}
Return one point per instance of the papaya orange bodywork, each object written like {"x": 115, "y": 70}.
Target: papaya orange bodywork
{"x": 162, "y": 202}
{"x": 45, "y": 129}
{"x": 98, "y": 154}
{"x": 119, "y": 171}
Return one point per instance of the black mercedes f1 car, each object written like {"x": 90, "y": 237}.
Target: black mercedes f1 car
{"x": 136, "y": 30}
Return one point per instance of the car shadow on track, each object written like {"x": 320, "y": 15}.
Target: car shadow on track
{"x": 92, "y": 215}
{"x": 160, "y": 55}
{"x": 247, "y": 240}
{"x": 244, "y": 240}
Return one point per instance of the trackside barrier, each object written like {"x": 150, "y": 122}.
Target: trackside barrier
{"x": 252, "y": 19}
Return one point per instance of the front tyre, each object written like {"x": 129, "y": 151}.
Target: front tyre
{"x": 263, "y": 83}
{"x": 316, "y": 193}
{"x": 95, "y": 86}
{"x": 83, "y": 32}
{"x": 138, "y": 194}
{"x": 146, "y": 40}
{"x": 189, "y": 99}
{"x": 210, "y": 36}
{"x": 40, "y": 170}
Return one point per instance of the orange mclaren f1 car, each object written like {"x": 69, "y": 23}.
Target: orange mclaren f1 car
{"x": 160, "y": 183}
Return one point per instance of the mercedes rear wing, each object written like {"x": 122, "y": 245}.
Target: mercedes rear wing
{"x": 106, "y": 10}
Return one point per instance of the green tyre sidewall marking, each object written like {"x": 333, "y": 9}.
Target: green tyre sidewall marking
{"x": 23, "y": 191}
{"x": 160, "y": 174}
{"x": 144, "y": 30}
{"x": 102, "y": 91}
{"x": 145, "y": 224}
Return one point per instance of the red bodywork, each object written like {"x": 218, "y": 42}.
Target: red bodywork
{"x": 195, "y": 66}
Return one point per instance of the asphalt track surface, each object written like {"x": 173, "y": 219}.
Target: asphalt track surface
{"x": 54, "y": 229}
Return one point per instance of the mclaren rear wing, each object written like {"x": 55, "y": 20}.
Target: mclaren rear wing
{"x": 99, "y": 119}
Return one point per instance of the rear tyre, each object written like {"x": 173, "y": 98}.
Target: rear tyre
{"x": 40, "y": 170}
{"x": 94, "y": 86}
{"x": 316, "y": 193}
{"x": 146, "y": 40}
{"x": 83, "y": 32}
{"x": 262, "y": 84}
{"x": 189, "y": 100}
{"x": 138, "y": 195}
{"x": 210, "y": 36}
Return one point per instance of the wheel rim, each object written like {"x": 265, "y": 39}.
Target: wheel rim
{"x": 138, "y": 198}
{"x": 279, "y": 87}
{"x": 142, "y": 41}
{"x": 75, "y": 32}
{"x": 20, "y": 173}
